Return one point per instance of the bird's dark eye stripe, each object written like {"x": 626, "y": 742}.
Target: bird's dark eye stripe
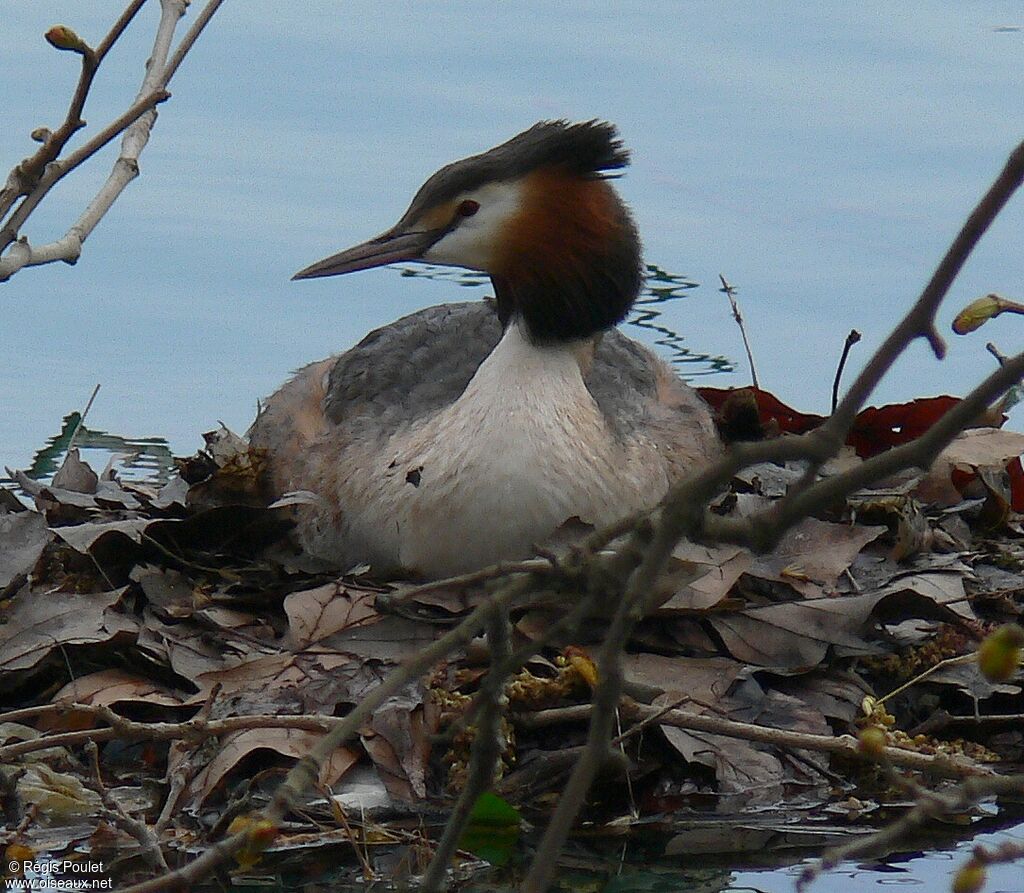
{"x": 468, "y": 207}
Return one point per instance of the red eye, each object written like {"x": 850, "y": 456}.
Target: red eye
{"x": 468, "y": 207}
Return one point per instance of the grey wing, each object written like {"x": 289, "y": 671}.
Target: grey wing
{"x": 640, "y": 394}
{"x": 394, "y": 376}
{"x": 410, "y": 368}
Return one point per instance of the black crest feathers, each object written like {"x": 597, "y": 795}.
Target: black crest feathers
{"x": 587, "y": 149}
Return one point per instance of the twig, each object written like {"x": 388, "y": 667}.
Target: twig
{"x": 485, "y": 754}
{"x": 966, "y": 794}
{"x": 1007, "y": 851}
{"x": 941, "y": 665}
{"x": 465, "y": 581}
{"x": 851, "y": 339}
{"x": 996, "y": 352}
{"x": 191, "y": 36}
{"x": 937, "y": 765}
{"x": 81, "y": 420}
{"x": 730, "y": 292}
{"x": 135, "y": 123}
{"x": 196, "y": 729}
{"x": 24, "y": 177}
{"x": 177, "y": 780}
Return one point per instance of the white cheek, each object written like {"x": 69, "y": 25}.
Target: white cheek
{"x": 472, "y": 242}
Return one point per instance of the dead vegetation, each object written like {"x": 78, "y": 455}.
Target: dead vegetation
{"x": 202, "y": 657}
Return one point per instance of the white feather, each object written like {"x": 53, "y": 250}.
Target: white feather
{"x": 524, "y": 449}
{"x": 472, "y": 241}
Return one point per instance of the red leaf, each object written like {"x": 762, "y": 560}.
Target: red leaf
{"x": 772, "y": 412}
{"x": 874, "y": 430}
{"x": 877, "y": 429}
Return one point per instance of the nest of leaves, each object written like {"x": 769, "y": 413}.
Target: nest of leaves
{"x": 178, "y": 630}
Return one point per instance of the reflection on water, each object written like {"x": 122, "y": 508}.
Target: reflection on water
{"x": 660, "y": 287}
{"x": 138, "y": 458}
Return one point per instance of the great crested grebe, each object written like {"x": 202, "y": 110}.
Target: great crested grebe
{"x": 465, "y": 434}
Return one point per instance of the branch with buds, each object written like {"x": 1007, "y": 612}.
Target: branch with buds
{"x": 30, "y": 181}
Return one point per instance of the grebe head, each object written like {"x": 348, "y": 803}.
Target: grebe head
{"x": 537, "y": 214}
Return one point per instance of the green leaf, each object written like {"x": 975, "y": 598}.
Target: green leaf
{"x": 493, "y": 829}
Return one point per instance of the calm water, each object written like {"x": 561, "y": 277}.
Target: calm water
{"x": 910, "y": 872}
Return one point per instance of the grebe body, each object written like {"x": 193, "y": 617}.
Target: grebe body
{"x": 466, "y": 434}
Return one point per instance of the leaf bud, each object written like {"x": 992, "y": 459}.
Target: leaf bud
{"x": 999, "y": 655}
{"x": 970, "y": 878}
{"x": 871, "y": 742}
{"x": 61, "y": 37}
{"x": 977, "y": 313}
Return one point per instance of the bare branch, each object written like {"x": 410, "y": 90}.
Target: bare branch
{"x": 851, "y": 339}
{"x": 966, "y": 794}
{"x": 135, "y": 123}
{"x": 920, "y": 320}
{"x": 120, "y": 728}
{"x": 936, "y": 765}
{"x": 730, "y": 293}
{"x": 486, "y": 750}
{"x": 24, "y": 177}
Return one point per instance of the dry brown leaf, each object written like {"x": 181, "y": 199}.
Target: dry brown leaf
{"x": 748, "y": 774}
{"x": 944, "y": 587}
{"x": 769, "y": 479}
{"x": 59, "y": 797}
{"x": 702, "y": 680}
{"x": 23, "y": 536}
{"x": 39, "y": 622}
{"x": 114, "y": 686}
{"x": 169, "y": 591}
{"x": 260, "y": 675}
{"x": 110, "y": 494}
{"x": 290, "y": 743}
{"x": 82, "y": 537}
{"x": 837, "y": 697}
{"x": 306, "y": 682}
{"x": 975, "y": 449}
{"x": 315, "y": 614}
{"x": 398, "y": 743}
{"x": 76, "y": 475}
{"x": 173, "y": 493}
{"x": 797, "y": 635}
{"x": 183, "y": 647}
{"x": 820, "y": 549}
{"x": 714, "y": 570}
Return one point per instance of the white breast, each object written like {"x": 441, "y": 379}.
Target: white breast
{"x": 524, "y": 449}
